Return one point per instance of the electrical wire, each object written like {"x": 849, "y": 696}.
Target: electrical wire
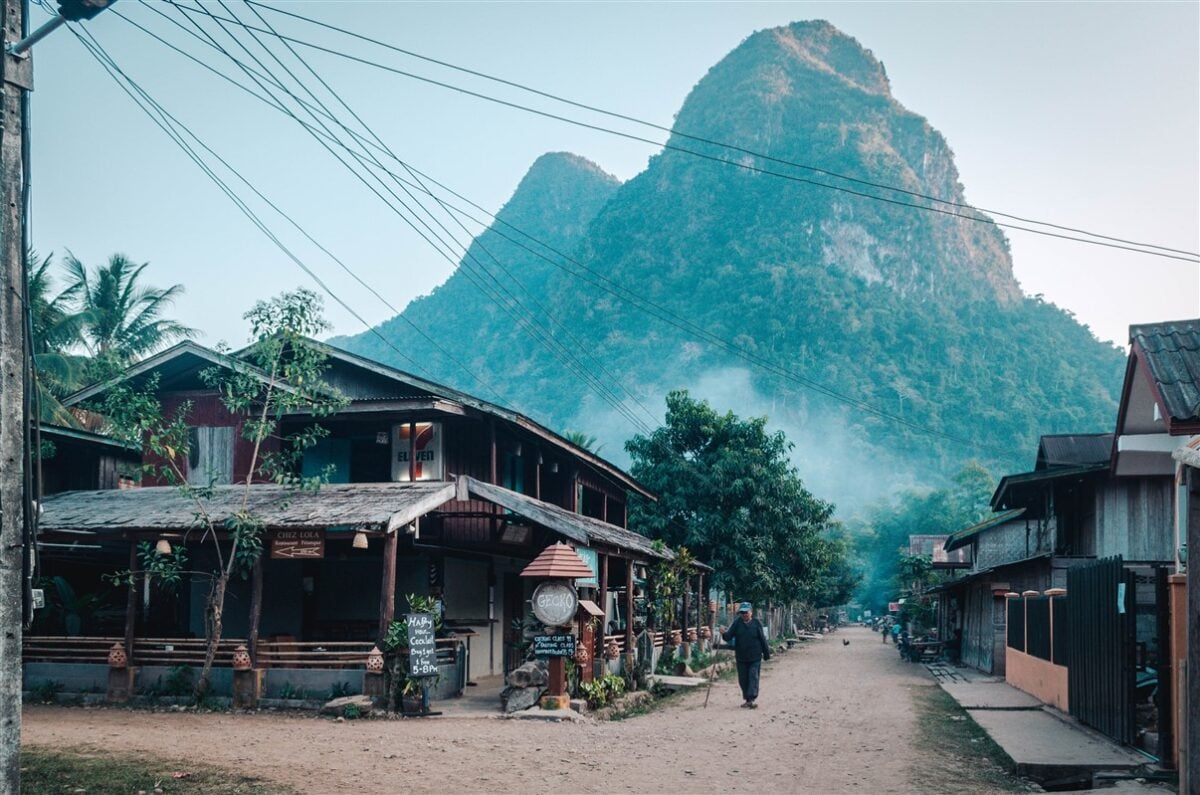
{"x": 697, "y": 138}
{"x": 1190, "y": 257}
{"x": 603, "y": 282}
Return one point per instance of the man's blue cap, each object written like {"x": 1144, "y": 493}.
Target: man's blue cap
{"x": 745, "y": 607}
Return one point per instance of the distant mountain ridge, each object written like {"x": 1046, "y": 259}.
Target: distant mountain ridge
{"x": 912, "y": 312}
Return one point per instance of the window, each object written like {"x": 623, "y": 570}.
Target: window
{"x": 210, "y": 456}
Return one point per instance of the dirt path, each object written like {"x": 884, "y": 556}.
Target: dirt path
{"x": 833, "y": 719}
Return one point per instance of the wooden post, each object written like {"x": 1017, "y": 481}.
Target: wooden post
{"x": 256, "y": 586}
{"x": 537, "y": 477}
{"x": 630, "y": 651}
{"x": 1190, "y": 689}
{"x": 701, "y": 602}
{"x": 412, "y": 452}
{"x": 387, "y": 591}
{"x": 131, "y": 600}
{"x": 603, "y": 593}
{"x": 685, "y": 647}
{"x": 14, "y": 417}
{"x": 604, "y": 508}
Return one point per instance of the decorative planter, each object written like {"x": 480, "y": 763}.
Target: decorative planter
{"x": 582, "y": 657}
{"x": 241, "y": 658}
{"x": 117, "y": 658}
{"x": 375, "y": 661}
{"x": 611, "y": 650}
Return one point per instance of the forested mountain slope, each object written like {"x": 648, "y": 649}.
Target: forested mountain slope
{"x": 911, "y": 312}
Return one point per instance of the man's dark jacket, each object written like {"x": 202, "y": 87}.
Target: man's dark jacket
{"x": 749, "y": 641}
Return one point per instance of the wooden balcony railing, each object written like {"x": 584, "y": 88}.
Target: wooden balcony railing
{"x": 190, "y": 651}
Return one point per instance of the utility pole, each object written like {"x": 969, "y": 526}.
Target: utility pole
{"x": 16, "y": 79}
{"x": 16, "y": 540}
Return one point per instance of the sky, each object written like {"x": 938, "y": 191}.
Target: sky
{"x": 1084, "y": 114}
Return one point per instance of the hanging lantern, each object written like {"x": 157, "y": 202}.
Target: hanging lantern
{"x": 705, "y": 633}
{"x": 374, "y": 661}
{"x": 676, "y": 637}
{"x": 612, "y": 650}
{"x": 163, "y": 547}
{"x": 360, "y": 540}
{"x": 692, "y": 635}
{"x": 582, "y": 656}
{"x": 117, "y": 658}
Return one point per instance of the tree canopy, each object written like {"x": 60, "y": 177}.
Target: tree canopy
{"x": 727, "y": 491}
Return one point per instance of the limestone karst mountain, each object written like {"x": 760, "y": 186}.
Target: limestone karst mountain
{"x": 914, "y": 313}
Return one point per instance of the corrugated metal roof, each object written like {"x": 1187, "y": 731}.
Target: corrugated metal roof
{"x": 1171, "y": 352}
{"x": 577, "y": 527}
{"x": 371, "y": 506}
{"x": 963, "y": 537}
{"x": 1002, "y": 499}
{"x": 1073, "y": 449}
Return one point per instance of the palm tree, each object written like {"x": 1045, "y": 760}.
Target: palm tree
{"x": 55, "y": 332}
{"x": 584, "y": 440}
{"x": 122, "y": 318}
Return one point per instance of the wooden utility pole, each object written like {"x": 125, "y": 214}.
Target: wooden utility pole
{"x": 16, "y": 74}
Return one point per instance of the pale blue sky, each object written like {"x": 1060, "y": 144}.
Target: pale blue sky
{"x": 1080, "y": 113}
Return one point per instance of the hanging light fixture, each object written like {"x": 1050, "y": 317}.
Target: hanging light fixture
{"x": 163, "y": 547}
{"x": 360, "y": 540}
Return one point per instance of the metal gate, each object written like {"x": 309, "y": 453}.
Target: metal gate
{"x": 1101, "y": 647}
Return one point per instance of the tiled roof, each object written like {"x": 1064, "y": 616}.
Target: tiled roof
{"x": 1171, "y": 352}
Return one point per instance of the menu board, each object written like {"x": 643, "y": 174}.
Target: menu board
{"x": 553, "y": 645}
{"x": 422, "y": 651}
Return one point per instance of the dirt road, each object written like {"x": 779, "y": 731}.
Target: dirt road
{"x": 834, "y": 718}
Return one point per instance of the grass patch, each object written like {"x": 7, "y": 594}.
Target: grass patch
{"x": 960, "y": 755}
{"x": 73, "y": 771}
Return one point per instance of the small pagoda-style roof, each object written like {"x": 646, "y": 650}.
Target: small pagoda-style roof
{"x": 559, "y": 561}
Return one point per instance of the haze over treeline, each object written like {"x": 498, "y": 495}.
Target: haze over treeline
{"x": 913, "y": 313}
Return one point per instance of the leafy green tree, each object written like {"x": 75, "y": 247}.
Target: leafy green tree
{"x": 883, "y": 542}
{"x": 728, "y": 493}
{"x": 288, "y": 377}
{"x": 121, "y": 318}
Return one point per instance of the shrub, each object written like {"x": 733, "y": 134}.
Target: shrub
{"x": 340, "y": 690}
{"x": 351, "y": 712}
{"x": 47, "y": 690}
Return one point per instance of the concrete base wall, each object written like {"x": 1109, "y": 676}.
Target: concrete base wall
{"x": 74, "y": 677}
{"x": 1040, "y": 678}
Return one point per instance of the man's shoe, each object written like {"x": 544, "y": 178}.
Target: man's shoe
{"x": 746, "y": 705}
{"x": 751, "y": 705}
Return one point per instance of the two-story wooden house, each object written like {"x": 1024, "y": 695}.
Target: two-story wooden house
{"x": 433, "y": 492}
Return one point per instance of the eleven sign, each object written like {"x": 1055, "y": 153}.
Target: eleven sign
{"x": 426, "y": 450}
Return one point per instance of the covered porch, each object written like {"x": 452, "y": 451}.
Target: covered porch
{"x": 335, "y": 570}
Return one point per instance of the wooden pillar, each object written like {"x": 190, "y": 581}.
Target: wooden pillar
{"x": 604, "y": 509}
{"x": 630, "y": 651}
{"x": 599, "y": 651}
{"x": 687, "y": 604}
{"x": 131, "y": 600}
{"x": 256, "y": 587}
{"x": 492, "y": 471}
{"x": 575, "y": 491}
{"x": 387, "y": 591}
{"x": 701, "y": 602}
{"x": 537, "y": 477}
{"x": 412, "y": 452}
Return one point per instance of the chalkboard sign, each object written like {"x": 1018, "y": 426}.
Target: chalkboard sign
{"x": 422, "y": 651}
{"x": 553, "y": 645}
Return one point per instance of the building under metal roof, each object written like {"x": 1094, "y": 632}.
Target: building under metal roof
{"x": 965, "y": 536}
{"x": 1073, "y": 449}
{"x": 1171, "y": 352}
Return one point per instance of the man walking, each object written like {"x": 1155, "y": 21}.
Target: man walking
{"x": 749, "y": 641}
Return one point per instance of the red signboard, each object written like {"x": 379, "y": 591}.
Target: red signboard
{"x": 893, "y": 607}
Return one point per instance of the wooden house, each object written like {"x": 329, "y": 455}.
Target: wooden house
{"x": 433, "y": 492}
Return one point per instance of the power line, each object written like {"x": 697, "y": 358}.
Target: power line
{"x": 166, "y": 123}
{"x": 544, "y": 310}
{"x": 572, "y": 363}
{"x": 1190, "y": 256}
{"x": 698, "y": 138}
{"x": 680, "y": 323}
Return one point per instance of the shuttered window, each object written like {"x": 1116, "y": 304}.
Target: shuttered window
{"x": 210, "y": 456}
